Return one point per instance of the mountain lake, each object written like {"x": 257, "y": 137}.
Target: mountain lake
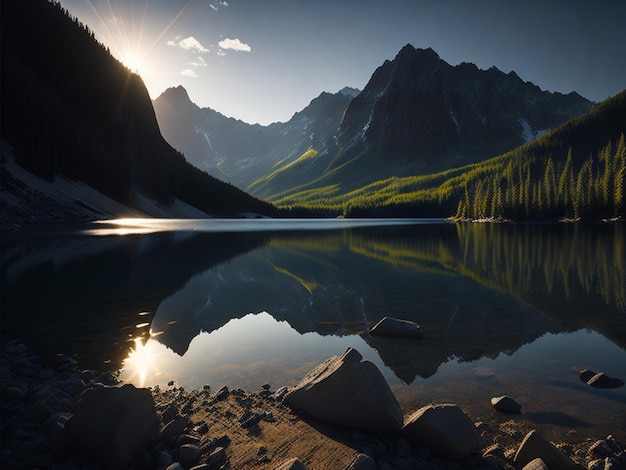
{"x": 505, "y": 309}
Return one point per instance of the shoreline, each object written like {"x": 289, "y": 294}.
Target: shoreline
{"x": 225, "y": 428}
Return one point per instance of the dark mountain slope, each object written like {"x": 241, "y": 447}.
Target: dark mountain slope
{"x": 418, "y": 109}
{"x": 69, "y": 108}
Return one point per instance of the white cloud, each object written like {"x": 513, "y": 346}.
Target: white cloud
{"x": 171, "y": 43}
{"x": 192, "y": 43}
{"x": 217, "y": 5}
{"x": 198, "y": 62}
{"x": 234, "y": 44}
{"x": 189, "y": 73}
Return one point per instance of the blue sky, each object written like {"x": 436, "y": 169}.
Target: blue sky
{"x": 263, "y": 60}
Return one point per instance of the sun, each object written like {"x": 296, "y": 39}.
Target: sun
{"x": 135, "y": 62}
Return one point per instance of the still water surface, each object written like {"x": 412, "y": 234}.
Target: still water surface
{"x": 505, "y": 309}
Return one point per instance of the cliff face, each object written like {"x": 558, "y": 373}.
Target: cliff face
{"x": 420, "y": 110}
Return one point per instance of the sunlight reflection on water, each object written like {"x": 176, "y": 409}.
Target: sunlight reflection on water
{"x": 139, "y": 226}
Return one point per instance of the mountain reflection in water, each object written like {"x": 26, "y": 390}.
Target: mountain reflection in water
{"x": 503, "y": 308}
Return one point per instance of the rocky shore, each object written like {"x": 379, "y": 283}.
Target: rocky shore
{"x": 55, "y": 415}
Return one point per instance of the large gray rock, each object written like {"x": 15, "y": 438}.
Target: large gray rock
{"x": 444, "y": 430}
{"x": 350, "y": 391}
{"x": 114, "y": 425}
{"x": 534, "y": 446}
{"x": 394, "y": 327}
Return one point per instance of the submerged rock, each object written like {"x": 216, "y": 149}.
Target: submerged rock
{"x": 394, "y": 327}
{"x": 444, "y": 430}
{"x": 599, "y": 380}
{"x": 506, "y": 404}
{"x": 349, "y": 391}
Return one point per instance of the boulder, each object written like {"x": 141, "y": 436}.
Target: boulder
{"x": 349, "y": 391}
{"x": 535, "y": 446}
{"x": 599, "y": 380}
{"x": 394, "y": 327}
{"x": 444, "y": 430}
{"x": 114, "y": 425}
{"x": 506, "y": 404}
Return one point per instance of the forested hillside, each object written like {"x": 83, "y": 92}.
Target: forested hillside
{"x": 576, "y": 170}
{"x": 69, "y": 108}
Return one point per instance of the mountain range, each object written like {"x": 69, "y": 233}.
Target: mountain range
{"x": 81, "y": 140}
{"x": 416, "y": 115}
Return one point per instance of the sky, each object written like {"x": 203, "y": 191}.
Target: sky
{"x": 261, "y": 61}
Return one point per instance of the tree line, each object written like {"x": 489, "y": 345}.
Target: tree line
{"x": 538, "y": 188}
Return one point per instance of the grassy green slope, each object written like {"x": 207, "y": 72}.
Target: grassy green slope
{"x": 588, "y": 137}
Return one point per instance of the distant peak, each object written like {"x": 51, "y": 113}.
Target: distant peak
{"x": 349, "y": 91}
{"x": 179, "y": 92}
{"x": 408, "y": 49}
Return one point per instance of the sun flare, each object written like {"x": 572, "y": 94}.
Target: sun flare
{"x": 135, "y": 62}
{"x": 142, "y": 361}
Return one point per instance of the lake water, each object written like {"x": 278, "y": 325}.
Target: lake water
{"x": 505, "y": 309}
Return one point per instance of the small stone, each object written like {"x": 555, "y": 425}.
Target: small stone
{"x": 217, "y": 458}
{"x": 266, "y": 386}
{"x": 187, "y": 439}
{"x": 202, "y": 429}
{"x": 189, "y": 454}
{"x": 280, "y": 393}
{"x": 173, "y": 429}
{"x": 362, "y": 462}
{"x": 506, "y": 404}
{"x": 596, "y": 464}
{"x": 222, "y": 393}
{"x": 536, "y": 446}
{"x": 162, "y": 459}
